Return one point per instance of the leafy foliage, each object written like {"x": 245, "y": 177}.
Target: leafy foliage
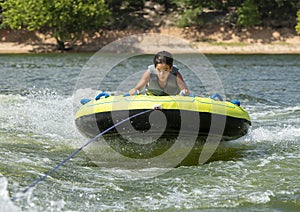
{"x": 69, "y": 18}
{"x": 298, "y": 24}
{"x": 124, "y": 13}
{"x": 248, "y": 14}
{"x": 278, "y": 10}
{"x": 190, "y": 11}
{"x": 190, "y": 17}
{"x": 63, "y": 17}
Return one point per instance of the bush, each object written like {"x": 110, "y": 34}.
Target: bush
{"x": 298, "y": 22}
{"x": 248, "y": 14}
{"x": 64, "y": 18}
{"x": 191, "y": 17}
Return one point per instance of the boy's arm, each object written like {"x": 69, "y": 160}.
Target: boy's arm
{"x": 181, "y": 84}
{"x": 142, "y": 83}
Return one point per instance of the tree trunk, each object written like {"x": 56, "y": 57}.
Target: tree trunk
{"x": 60, "y": 45}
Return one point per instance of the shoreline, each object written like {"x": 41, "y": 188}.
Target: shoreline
{"x": 207, "y": 41}
{"x": 205, "y": 48}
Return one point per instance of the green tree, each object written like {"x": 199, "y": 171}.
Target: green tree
{"x": 248, "y": 14}
{"x": 125, "y": 13}
{"x": 195, "y": 12}
{"x": 298, "y": 23}
{"x": 278, "y": 13}
{"x": 190, "y": 11}
{"x": 64, "y": 18}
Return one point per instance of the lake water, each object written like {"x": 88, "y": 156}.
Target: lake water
{"x": 258, "y": 172}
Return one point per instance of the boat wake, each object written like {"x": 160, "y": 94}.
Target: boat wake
{"x": 39, "y": 113}
{"x": 5, "y": 203}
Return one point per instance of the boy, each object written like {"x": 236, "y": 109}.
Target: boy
{"x": 162, "y": 78}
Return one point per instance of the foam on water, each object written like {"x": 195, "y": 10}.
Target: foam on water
{"x": 274, "y": 124}
{"x": 41, "y": 112}
{"x": 5, "y": 203}
{"x": 273, "y": 112}
{"x": 277, "y": 134}
{"x": 45, "y": 114}
{"x": 261, "y": 172}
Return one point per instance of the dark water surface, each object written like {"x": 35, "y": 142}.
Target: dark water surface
{"x": 258, "y": 172}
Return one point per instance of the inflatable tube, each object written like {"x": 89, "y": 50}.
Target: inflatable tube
{"x": 96, "y": 116}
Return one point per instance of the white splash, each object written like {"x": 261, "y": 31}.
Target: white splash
{"x": 42, "y": 112}
{"x": 5, "y": 203}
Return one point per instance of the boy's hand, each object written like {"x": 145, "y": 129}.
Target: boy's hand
{"x": 134, "y": 91}
{"x": 184, "y": 92}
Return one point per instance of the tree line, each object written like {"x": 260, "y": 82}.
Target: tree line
{"x": 68, "y": 19}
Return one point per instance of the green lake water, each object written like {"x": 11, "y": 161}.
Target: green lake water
{"x": 258, "y": 172}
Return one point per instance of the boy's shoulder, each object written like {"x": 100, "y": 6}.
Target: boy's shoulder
{"x": 151, "y": 68}
{"x": 175, "y": 69}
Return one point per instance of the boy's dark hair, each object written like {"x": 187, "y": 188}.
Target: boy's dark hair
{"x": 163, "y": 57}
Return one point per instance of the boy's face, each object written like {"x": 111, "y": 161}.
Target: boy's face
{"x": 162, "y": 71}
